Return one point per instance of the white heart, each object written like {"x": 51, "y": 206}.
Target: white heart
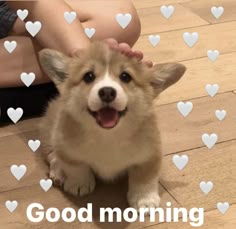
{"x": 18, "y": 171}
{"x": 123, "y": 19}
{"x": 180, "y": 161}
{"x": 223, "y": 207}
{"x": 209, "y": 140}
{"x": 217, "y": 11}
{"x": 190, "y": 39}
{"x": 185, "y": 108}
{"x": 213, "y": 55}
{"x": 45, "y": 184}
{"x": 11, "y": 205}
{"x": 15, "y": 114}
{"x": 220, "y": 114}
{"x": 154, "y": 39}
{"x": 70, "y": 16}
{"x": 89, "y": 32}
{"x": 10, "y": 46}
{"x": 206, "y": 187}
{"x": 33, "y": 28}
{"x": 27, "y": 79}
{"x": 22, "y": 14}
{"x": 212, "y": 89}
{"x": 167, "y": 11}
{"x": 34, "y": 145}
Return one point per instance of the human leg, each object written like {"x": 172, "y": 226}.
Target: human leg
{"x": 90, "y": 16}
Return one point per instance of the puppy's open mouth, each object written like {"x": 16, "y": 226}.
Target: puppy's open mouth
{"x": 107, "y": 117}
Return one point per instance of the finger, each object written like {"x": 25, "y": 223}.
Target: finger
{"x": 110, "y": 41}
{"x": 138, "y": 55}
{"x": 125, "y": 48}
{"x": 148, "y": 63}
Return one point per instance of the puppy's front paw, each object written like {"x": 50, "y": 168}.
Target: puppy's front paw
{"x": 56, "y": 173}
{"x": 81, "y": 185}
{"x": 139, "y": 200}
{"x": 57, "y": 176}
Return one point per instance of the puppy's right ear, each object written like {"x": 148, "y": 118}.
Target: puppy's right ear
{"x": 55, "y": 65}
{"x": 164, "y": 75}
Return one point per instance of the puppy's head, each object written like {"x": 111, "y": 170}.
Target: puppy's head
{"x": 102, "y": 88}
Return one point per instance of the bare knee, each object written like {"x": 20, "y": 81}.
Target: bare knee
{"x": 107, "y": 26}
{"x": 132, "y": 32}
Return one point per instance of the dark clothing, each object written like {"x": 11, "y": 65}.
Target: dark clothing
{"x": 33, "y": 100}
{"x": 7, "y": 19}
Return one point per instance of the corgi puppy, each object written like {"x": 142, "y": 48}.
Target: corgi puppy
{"x": 103, "y": 122}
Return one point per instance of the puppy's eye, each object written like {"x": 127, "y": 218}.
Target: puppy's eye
{"x": 125, "y": 77}
{"x": 89, "y": 77}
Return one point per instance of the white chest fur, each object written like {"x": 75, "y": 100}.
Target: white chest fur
{"x": 107, "y": 154}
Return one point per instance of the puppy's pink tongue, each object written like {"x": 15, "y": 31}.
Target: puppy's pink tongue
{"x": 107, "y": 117}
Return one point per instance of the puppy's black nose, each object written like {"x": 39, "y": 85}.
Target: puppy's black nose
{"x": 107, "y": 94}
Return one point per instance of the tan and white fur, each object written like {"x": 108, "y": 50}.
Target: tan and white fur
{"x": 78, "y": 147}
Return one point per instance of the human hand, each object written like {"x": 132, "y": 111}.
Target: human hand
{"x": 127, "y": 50}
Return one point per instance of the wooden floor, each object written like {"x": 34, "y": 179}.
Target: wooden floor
{"x": 180, "y": 135}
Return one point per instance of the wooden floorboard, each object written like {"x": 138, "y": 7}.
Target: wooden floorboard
{"x": 21, "y": 126}
{"x": 216, "y": 165}
{"x": 173, "y": 48}
{"x": 105, "y": 195}
{"x": 16, "y": 152}
{"x": 151, "y": 3}
{"x": 161, "y": 24}
{"x": 203, "y": 9}
{"x": 199, "y": 73}
{"x": 213, "y": 219}
{"x": 179, "y": 133}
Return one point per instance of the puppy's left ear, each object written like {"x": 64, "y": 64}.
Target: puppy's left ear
{"x": 55, "y": 65}
{"x": 164, "y": 75}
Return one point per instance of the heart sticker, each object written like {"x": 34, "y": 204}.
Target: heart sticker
{"x": 45, "y": 184}
{"x": 15, "y": 114}
{"x": 27, "y": 79}
{"x": 123, "y": 19}
{"x": 212, "y": 89}
{"x": 217, "y": 11}
{"x": 89, "y": 32}
{"x": 190, "y": 38}
{"x": 154, "y": 39}
{"x": 209, "y": 140}
{"x": 18, "y": 171}
{"x": 33, "y": 28}
{"x": 10, "y": 46}
{"x": 180, "y": 161}
{"x": 213, "y": 55}
{"x": 220, "y": 114}
{"x": 34, "y": 145}
{"x": 70, "y": 16}
{"x": 206, "y": 187}
{"x": 167, "y": 11}
{"x": 185, "y": 108}
{"x": 22, "y": 14}
{"x": 11, "y": 205}
{"x": 222, "y": 207}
